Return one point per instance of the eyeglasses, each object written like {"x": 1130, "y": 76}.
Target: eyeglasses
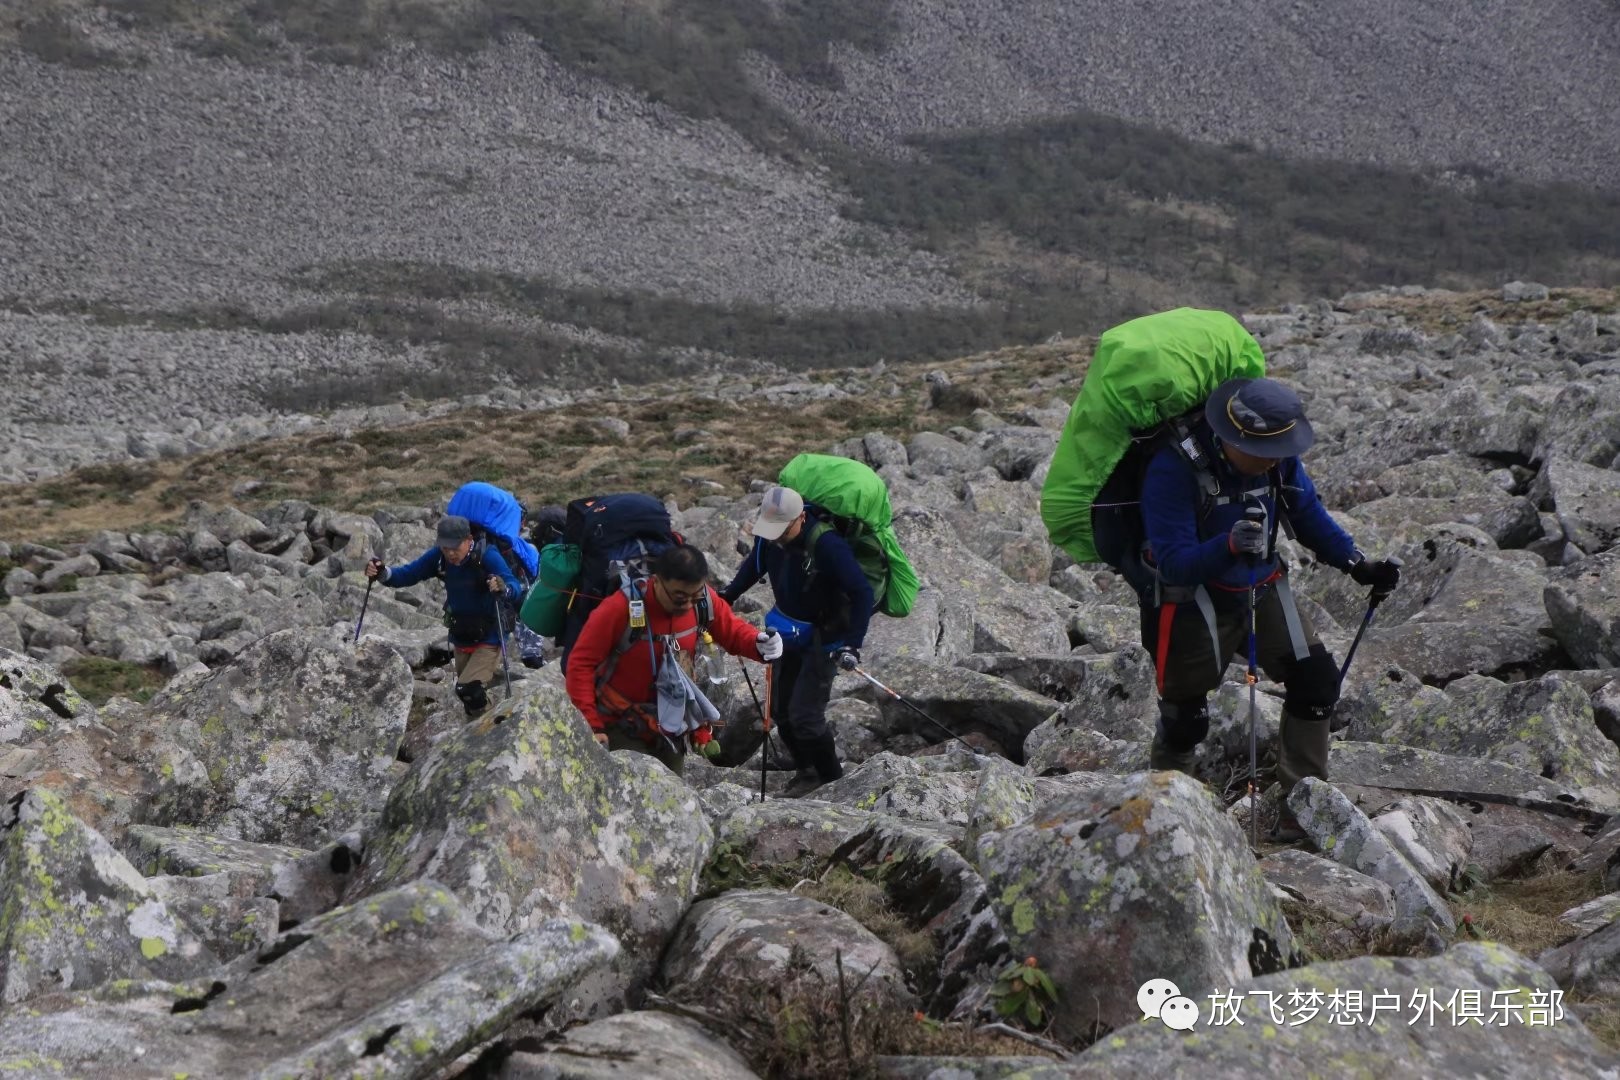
{"x": 678, "y": 596}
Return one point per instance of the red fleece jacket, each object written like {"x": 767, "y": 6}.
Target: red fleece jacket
{"x": 633, "y": 677}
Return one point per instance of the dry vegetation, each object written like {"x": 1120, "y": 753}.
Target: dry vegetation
{"x": 544, "y": 456}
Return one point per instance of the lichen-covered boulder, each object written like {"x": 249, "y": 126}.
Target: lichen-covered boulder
{"x": 226, "y": 922}
{"x": 1068, "y": 744}
{"x": 1589, "y": 965}
{"x": 1431, "y": 834}
{"x": 1543, "y": 726}
{"x": 37, "y": 701}
{"x": 183, "y": 850}
{"x": 934, "y": 888}
{"x": 1342, "y": 832}
{"x": 1008, "y": 795}
{"x": 733, "y": 951}
{"x": 781, "y": 833}
{"x": 287, "y": 744}
{"x": 957, "y": 701}
{"x": 901, "y": 787}
{"x": 1520, "y": 1031}
{"x": 399, "y": 985}
{"x": 525, "y": 817}
{"x": 1586, "y": 500}
{"x": 1358, "y": 906}
{"x": 1450, "y": 776}
{"x": 1114, "y": 693}
{"x": 1583, "y": 602}
{"x": 1144, "y": 879}
{"x": 645, "y": 1045}
{"x": 74, "y": 913}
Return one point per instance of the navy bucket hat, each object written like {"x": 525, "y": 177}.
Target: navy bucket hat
{"x": 1260, "y": 417}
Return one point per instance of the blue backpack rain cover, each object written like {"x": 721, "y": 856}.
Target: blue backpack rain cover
{"x": 500, "y": 514}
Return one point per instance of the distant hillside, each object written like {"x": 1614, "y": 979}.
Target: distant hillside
{"x": 216, "y": 211}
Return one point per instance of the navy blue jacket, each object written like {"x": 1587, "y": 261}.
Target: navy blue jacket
{"x": 837, "y": 599}
{"x": 1189, "y": 552}
{"x": 466, "y": 586}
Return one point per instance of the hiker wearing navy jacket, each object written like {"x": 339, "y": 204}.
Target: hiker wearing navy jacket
{"x": 823, "y": 606}
{"x": 1207, "y": 550}
{"x": 476, "y": 579}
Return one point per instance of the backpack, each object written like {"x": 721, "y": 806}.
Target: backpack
{"x": 617, "y": 537}
{"x": 497, "y": 515}
{"x": 851, "y": 500}
{"x": 1145, "y": 388}
{"x": 545, "y": 608}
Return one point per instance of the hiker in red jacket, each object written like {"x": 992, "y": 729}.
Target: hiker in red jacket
{"x": 618, "y": 672}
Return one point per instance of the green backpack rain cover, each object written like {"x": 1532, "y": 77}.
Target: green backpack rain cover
{"x": 1143, "y": 373}
{"x": 858, "y": 499}
{"x": 545, "y": 609}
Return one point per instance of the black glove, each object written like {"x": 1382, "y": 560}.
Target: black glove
{"x": 1248, "y": 537}
{"x": 1381, "y": 577}
{"x": 847, "y": 659}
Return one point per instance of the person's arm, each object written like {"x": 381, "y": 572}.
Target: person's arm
{"x": 495, "y": 565}
{"x": 736, "y": 636}
{"x": 1170, "y": 503}
{"x": 591, "y": 649}
{"x": 834, "y": 557}
{"x": 1312, "y": 523}
{"x": 422, "y": 568}
{"x": 748, "y": 574}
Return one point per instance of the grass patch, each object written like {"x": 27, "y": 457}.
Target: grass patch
{"x": 98, "y": 679}
{"x": 867, "y": 903}
{"x": 1523, "y": 913}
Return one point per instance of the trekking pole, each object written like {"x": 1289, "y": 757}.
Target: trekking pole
{"x": 764, "y": 719}
{"x": 1254, "y": 513}
{"x": 868, "y": 677}
{"x": 506, "y": 667}
{"x": 1366, "y": 620}
{"x": 369, "y": 583}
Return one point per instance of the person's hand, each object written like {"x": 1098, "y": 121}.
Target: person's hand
{"x": 601, "y": 738}
{"x": 375, "y": 569}
{"x": 1248, "y": 537}
{"x": 1381, "y": 577}
{"x": 496, "y": 585}
{"x": 770, "y": 646}
{"x": 847, "y": 659}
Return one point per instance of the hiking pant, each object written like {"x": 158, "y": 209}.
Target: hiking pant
{"x": 475, "y": 674}
{"x": 800, "y": 690}
{"x": 620, "y": 737}
{"x": 1190, "y": 663}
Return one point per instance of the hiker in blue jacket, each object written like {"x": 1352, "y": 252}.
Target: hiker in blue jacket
{"x": 1207, "y": 548}
{"x": 475, "y": 578}
{"x": 823, "y": 606}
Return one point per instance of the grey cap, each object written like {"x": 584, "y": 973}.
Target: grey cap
{"x": 453, "y": 529}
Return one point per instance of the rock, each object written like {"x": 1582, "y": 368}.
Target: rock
{"x": 1507, "y": 851}
{"x": 786, "y": 832}
{"x": 1114, "y": 693}
{"x": 1586, "y": 500}
{"x": 1446, "y": 776}
{"x": 1519, "y": 292}
{"x": 1056, "y": 747}
{"x": 897, "y": 787}
{"x": 400, "y": 985}
{"x": 955, "y": 1068}
{"x": 751, "y": 948}
{"x": 1140, "y": 880}
{"x": 189, "y": 852}
{"x": 74, "y": 913}
{"x": 1326, "y": 889}
{"x": 1343, "y": 1040}
{"x": 227, "y": 524}
{"x": 1431, "y": 834}
{"x": 1593, "y": 915}
{"x": 1542, "y": 726}
{"x": 932, "y": 454}
{"x": 227, "y": 924}
{"x": 1016, "y": 452}
{"x": 286, "y": 745}
{"x": 37, "y": 702}
{"x": 19, "y": 582}
{"x": 933, "y": 887}
{"x": 646, "y": 1045}
{"x": 1589, "y": 965}
{"x": 524, "y": 817}
{"x": 1511, "y": 521}
{"x": 1345, "y": 835}
{"x": 961, "y": 701}
{"x": 1583, "y": 602}
{"x": 80, "y": 566}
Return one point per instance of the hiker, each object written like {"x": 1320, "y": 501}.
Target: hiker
{"x": 619, "y": 674}
{"x": 1206, "y": 547}
{"x": 823, "y": 605}
{"x": 476, "y": 579}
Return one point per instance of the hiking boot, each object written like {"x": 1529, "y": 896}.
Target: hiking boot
{"x": 1162, "y": 759}
{"x": 803, "y": 783}
{"x": 1286, "y": 829}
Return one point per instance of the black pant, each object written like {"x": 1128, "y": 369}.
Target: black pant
{"x": 801, "y": 688}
